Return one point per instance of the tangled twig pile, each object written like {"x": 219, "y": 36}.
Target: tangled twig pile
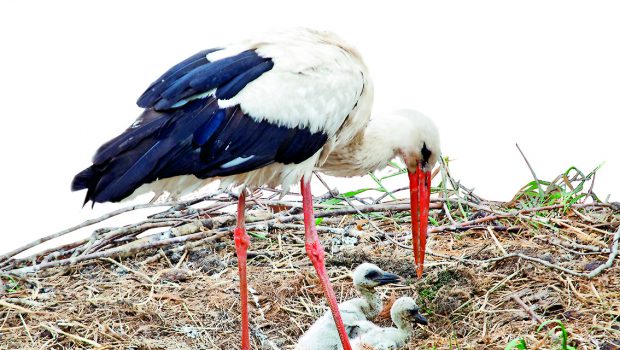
{"x": 495, "y": 271}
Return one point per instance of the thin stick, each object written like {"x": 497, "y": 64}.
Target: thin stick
{"x": 327, "y": 229}
{"x": 501, "y": 214}
{"x": 72, "y": 336}
{"x": 590, "y": 275}
{"x": 20, "y": 309}
{"x": 499, "y": 245}
{"x": 122, "y": 250}
{"x": 540, "y": 190}
{"x": 610, "y": 259}
{"x": 137, "y": 273}
{"x": 527, "y": 309}
{"x": 99, "y": 219}
{"x": 26, "y": 328}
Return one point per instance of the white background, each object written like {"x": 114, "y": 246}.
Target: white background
{"x": 545, "y": 74}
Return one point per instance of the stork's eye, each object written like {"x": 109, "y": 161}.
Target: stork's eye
{"x": 372, "y": 275}
{"x": 414, "y": 311}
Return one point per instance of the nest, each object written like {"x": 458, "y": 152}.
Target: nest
{"x": 542, "y": 270}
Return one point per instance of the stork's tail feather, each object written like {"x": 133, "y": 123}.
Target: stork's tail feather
{"x": 144, "y": 153}
{"x": 82, "y": 180}
{"x": 97, "y": 181}
{"x": 85, "y": 179}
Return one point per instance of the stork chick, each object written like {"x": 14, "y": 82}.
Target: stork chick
{"x": 322, "y": 335}
{"x": 405, "y": 313}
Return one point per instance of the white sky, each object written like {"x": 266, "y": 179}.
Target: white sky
{"x": 545, "y": 74}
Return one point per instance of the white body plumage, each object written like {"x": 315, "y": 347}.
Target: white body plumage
{"x": 319, "y": 82}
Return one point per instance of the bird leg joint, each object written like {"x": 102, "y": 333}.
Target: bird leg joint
{"x": 242, "y": 240}
{"x": 315, "y": 252}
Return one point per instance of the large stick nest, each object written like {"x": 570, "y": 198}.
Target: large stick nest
{"x": 494, "y": 272}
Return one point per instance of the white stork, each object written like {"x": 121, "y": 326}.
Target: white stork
{"x": 268, "y": 110}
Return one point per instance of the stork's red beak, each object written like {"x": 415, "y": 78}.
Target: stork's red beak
{"x": 420, "y": 187}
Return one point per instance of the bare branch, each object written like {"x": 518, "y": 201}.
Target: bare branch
{"x": 102, "y": 218}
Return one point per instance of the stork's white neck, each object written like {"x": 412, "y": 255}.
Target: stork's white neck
{"x": 403, "y": 133}
{"x": 371, "y": 150}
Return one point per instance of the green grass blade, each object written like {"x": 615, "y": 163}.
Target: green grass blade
{"x": 257, "y": 235}
{"x": 518, "y": 344}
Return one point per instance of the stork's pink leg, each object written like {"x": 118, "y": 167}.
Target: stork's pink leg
{"x": 242, "y": 242}
{"x": 317, "y": 257}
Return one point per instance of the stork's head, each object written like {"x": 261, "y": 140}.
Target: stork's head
{"x": 369, "y": 276}
{"x": 417, "y": 143}
{"x": 417, "y": 140}
{"x": 405, "y": 312}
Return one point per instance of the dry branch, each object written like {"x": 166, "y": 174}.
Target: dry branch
{"x": 103, "y": 218}
{"x": 18, "y": 308}
{"x": 527, "y": 309}
{"x": 536, "y": 242}
{"x": 55, "y": 330}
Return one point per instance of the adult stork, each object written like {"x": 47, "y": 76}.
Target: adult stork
{"x": 267, "y": 110}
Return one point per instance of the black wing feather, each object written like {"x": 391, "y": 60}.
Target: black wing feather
{"x": 181, "y": 134}
{"x": 154, "y": 91}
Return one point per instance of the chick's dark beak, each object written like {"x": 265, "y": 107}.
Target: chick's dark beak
{"x": 418, "y": 318}
{"x": 387, "y": 278}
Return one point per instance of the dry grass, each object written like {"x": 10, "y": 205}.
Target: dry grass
{"x": 188, "y": 298}
{"x": 195, "y": 305}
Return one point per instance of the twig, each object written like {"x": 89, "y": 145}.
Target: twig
{"x": 102, "y": 218}
{"x": 574, "y": 245}
{"x": 52, "y": 252}
{"x": 389, "y": 193}
{"x": 594, "y": 273}
{"x": 527, "y": 309}
{"x": 540, "y": 190}
{"x": 72, "y": 336}
{"x": 590, "y": 275}
{"x": 20, "y": 309}
{"x": 122, "y": 250}
{"x": 590, "y": 190}
{"x": 360, "y": 212}
{"x": 137, "y": 273}
{"x": 27, "y": 302}
{"x": 448, "y": 215}
{"x": 26, "y": 328}
{"x": 333, "y": 230}
{"x": 499, "y": 245}
{"x": 329, "y": 189}
{"x": 497, "y": 214}
{"x": 582, "y": 235}
{"x": 610, "y": 259}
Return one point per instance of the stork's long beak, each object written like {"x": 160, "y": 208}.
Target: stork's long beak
{"x": 420, "y": 189}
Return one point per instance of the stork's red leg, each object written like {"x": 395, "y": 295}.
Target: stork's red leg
{"x": 317, "y": 257}
{"x": 242, "y": 242}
